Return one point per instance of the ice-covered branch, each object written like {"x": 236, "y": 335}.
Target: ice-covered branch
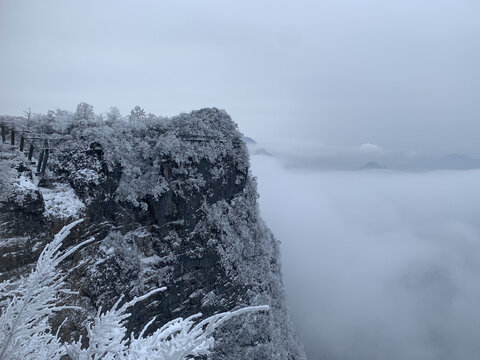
{"x": 177, "y": 340}
{"x": 182, "y": 338}
{"x": 29, "y": 301}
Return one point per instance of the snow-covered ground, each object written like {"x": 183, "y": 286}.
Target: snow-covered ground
{"x": 61, "y": 202}
{"x": 378, "y": 264}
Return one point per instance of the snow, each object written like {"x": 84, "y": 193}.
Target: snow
{"x": 151, "y": 260}
{"x": 14, "y": 241}
{"x": 61, "y": 202}
{"x": 25, "y": 184}
{"x": 89, "y": 176}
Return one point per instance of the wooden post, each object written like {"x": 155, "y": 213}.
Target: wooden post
{"x": 40, "y": 159}
{"x": 44, "y": 164}
{"x": 12, "y": 137}
{"x": 22, "y": 142}
{"x": 4, "y": 133}
{"x": 30, "y": 152}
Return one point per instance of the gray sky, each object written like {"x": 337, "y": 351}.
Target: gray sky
{"x": 404, "y": 75}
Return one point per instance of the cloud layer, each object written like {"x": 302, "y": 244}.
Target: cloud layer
{"x": 317, "y": 156}
{"x": 378, "y": 265}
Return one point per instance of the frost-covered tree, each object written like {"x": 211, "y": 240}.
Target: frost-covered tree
{"x": 28, "y": 114}
{"x": 113, "y": 116}
{"x": 84, "y": 114}
{"x": 63, "y": 119}
{"x": 49, "y": 122}
{"x": 26, "y": 305}
{"x": 43, "y": 124}
{"x": 137, "y": 115}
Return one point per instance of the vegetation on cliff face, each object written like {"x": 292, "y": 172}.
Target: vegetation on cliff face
{"x": 29, "y": 302}
{"x": 170, "y": 202}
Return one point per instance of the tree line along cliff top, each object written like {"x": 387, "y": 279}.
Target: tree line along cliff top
{"x": 143, "y": 145}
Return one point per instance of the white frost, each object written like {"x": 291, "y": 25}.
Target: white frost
{"x": 61, "y": 202}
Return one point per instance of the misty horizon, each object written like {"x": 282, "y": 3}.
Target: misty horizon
{"x": 311, "y": 156}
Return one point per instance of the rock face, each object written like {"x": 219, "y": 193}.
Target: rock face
{"x": 170, "y": 203}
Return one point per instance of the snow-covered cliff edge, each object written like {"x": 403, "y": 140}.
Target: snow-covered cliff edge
{"x": 170, "y": 203}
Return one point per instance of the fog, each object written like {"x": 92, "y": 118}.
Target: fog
{"x": 318, "y": 156}
{"x": 400, "y": 74}
{"x": 378, "y": 264}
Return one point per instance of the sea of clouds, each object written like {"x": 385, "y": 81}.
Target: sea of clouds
{"x": 380, "y": 264}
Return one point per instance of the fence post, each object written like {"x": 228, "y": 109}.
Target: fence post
{"x": 30, "y": 152}
{"x": 44, "y": 163}
{"x": 4, "y": 132}
{"x": 22, "y": 142}
{"x": 40, "y": 159}
{"x": 12, "y": 137}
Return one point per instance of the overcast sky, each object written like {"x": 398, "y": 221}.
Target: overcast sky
{"x": 404, "y": 75}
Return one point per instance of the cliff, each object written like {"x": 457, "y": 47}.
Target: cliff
{"x": 170, "y": 203}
